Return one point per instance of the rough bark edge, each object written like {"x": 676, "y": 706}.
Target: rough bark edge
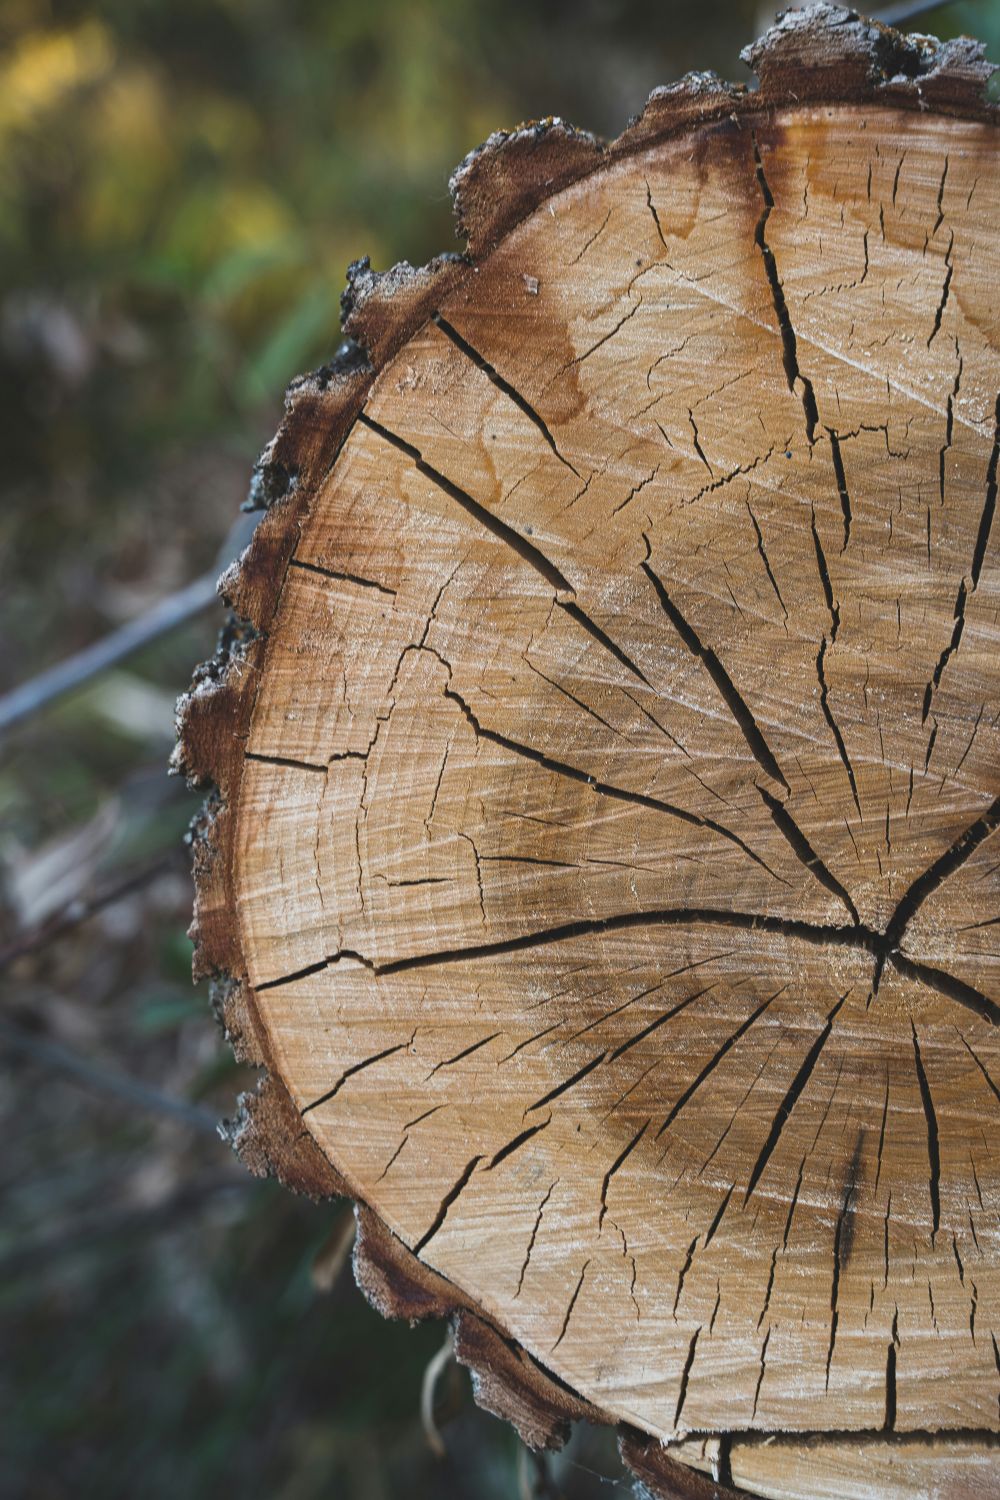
{"x": 505, "y": 1379}
{"x": 825, "y": 54}
{"x": 664, "y": 1476}
{"x": 213, "y": 717}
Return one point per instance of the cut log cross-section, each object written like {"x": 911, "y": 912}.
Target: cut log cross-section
{"x": 606, "y": 859}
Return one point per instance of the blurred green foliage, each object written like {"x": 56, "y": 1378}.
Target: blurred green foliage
{"x": 182, "y": 184}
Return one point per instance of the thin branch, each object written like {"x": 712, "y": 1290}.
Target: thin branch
{"x": 334, "y": 1253}
{"x": 78, "y": 911}
{"x": 428, "y": 1391}
{"x": 95, "y": 1229}
{"x": 175, "y": 610}
{"x": 104, "y": 1080}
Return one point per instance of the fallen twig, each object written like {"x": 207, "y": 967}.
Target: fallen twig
{"x": 102, "y": 1079}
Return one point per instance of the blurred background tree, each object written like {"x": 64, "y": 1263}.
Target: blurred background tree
{"x": 182, "y": 184}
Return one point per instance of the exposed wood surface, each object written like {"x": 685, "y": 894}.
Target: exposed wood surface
{"x": 960, "y": 1467}
{"x": 606, "y": 862}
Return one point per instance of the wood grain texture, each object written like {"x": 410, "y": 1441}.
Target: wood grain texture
{"x": 604, "y": 857}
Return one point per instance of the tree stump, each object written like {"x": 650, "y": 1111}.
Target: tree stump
{"x": 604, "y": 863}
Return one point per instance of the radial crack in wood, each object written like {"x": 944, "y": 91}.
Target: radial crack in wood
{"x": 605, "y": 848}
